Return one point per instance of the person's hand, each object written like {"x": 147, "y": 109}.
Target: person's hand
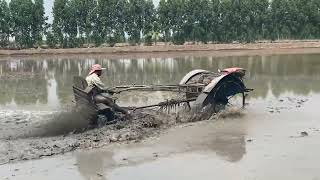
{"x": 114, "y": 92}
{"x": 110, "y": 91}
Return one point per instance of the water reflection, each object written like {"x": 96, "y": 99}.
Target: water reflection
{"x": 91, "y": 165}
{"x": 224, "y": 139}
{"x": 47, "y": 83}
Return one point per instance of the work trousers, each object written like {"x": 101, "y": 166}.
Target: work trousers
{"x": 109, "y": 102}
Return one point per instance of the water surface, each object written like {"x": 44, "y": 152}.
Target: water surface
{"x": 46, "y": 84}
{"x": 263, "y": 143}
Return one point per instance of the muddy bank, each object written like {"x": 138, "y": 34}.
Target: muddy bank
{"x": 223, "y": 49}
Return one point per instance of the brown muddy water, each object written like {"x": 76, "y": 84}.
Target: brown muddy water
{"x": 275, "y": 137}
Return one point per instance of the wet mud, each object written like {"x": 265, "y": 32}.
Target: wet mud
{"x": 33, "y": 135}
{"x": 285, "y": 104}
{"x": 280, "y": 111}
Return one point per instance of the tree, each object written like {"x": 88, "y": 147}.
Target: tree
{"x": 139, "y": 19}
{"x": 71, "y": 25}
{"x": 155, "y": 32}
{"x": 215, "y": 27}
{"x": 5, "y": 25}
{"x": 118, "y": 16}
{"x": 177, "y": 15}
{"x": 281, "y": 19}
{"x": 309, "y": 18}
{"x": 38, "y": 25}
{"x": 85, "y": 21}
{"x": 85, "y": 10}
{"x": 134, "y": 20}
{"x": 164, "y": 20}
{"x": 59, "y": 12}
{"x": 22, "y": 17}
{"x": 51, "y": 39}
{"x": 98, "y": 20}
{"x": 252, "y": 19}
{"x": 259, "y": 18}
{"x": 111, "y": 20}
{"x": 198, "y": 19}
{"x": 149, "y": 22}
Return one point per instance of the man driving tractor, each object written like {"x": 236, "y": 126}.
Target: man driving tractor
{"x": 101, "y": 93}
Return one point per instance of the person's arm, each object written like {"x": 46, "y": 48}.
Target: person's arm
{"x": 97, "y": 82}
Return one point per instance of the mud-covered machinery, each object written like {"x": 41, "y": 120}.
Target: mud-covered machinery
{"x": 202, "y": 88}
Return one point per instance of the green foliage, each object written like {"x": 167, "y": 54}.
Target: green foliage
{"x": 22, "y": 22}
{"x": 110, "y": 21}
{"x": 139, "y": 20}
{"x": 28, "y": 22}
{"x": 238, "y": 20}
{"x": 5, "y": 25}
{"x": 148, "y": 39}
{"x": 71, "y": 24}
{"x": 51, "y": 40}
{"x": 163, "y": 19}
{"x": 85, "y": 11}
{"x": 79, "y": 22}
{"x": 38, "y": 22}
{"x": 177, "y": 20}
{"x": 59, "y": 12}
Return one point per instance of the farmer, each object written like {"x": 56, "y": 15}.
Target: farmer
{"x": 101, "y": 93}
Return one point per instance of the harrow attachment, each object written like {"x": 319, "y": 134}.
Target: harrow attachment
{"x": 202, "y": 88}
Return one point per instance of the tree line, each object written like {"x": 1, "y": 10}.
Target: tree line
{"x": 79, "y": 22}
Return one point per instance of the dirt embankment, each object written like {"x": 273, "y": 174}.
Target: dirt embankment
{"x": 274, "y": 47}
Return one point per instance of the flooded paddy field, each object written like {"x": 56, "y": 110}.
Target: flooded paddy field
{"x": 275, "y": 137}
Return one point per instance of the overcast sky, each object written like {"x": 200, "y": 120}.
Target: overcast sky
{"x": 49, "y": 3}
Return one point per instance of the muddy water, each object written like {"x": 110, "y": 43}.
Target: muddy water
{"x": 266, "y": 141}
{"x": 45, "y": 84}
{"x": 34, "y": 90}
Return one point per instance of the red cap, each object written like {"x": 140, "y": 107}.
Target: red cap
{"x": 96, "y": 67}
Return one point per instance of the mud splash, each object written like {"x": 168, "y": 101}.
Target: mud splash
{"x": 32, "y": 135}
{"x": 232, "y": 113}
{"x": 68, "y": 131}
